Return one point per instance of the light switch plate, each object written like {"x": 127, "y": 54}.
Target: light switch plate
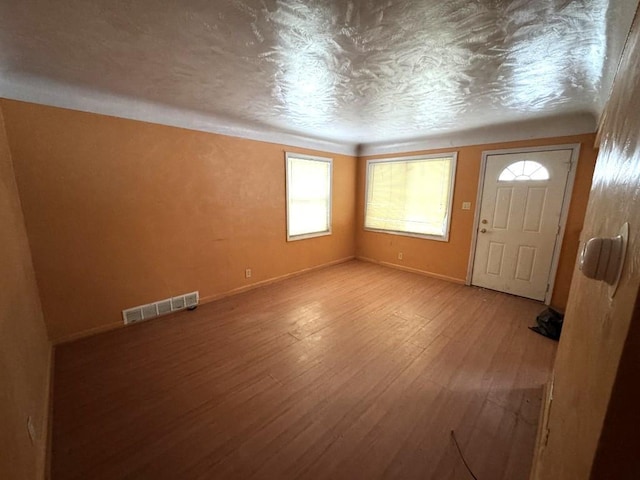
{"x": 466, "y": 205}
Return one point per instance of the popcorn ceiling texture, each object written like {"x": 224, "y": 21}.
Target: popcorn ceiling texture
{"x": 346, "y": 71}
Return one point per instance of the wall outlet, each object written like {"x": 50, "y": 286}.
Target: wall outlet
{"x": 247, "y": 273}
{"x": 31, "y": 429}
{"x": 400, "y": 256}
{"x": 466, "y": 205}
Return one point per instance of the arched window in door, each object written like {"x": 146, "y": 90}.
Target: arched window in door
{"x": 524, "y": 170}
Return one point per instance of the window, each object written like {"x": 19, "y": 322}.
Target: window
{"x": 524, "y": 170}
{"x": 411, "y": 195}
{"x": 308, "y": 196}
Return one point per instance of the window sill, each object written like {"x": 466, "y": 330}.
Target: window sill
{"x": 437, "y": 238}
{"x": 304, "y": 236}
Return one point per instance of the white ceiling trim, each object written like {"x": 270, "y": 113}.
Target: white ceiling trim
{"x": 47, "y": 92}
{"x": 560, "y": 126}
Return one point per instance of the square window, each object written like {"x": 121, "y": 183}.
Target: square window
{"x": 411, "y": 195}
{"x": 308, "y": 196}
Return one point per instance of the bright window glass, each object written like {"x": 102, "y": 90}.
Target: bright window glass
{"x": 410, "y": 196}
{"x": 308, "y": 196}
{"x": 524, "y": 170}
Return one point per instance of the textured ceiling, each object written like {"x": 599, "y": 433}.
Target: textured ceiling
{"x": 344, "y": 71}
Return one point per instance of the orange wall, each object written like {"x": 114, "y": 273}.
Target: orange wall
{"x": 121, "y": 213}
{"x": 25, "y": 351}
{"x": 450, "y": 259}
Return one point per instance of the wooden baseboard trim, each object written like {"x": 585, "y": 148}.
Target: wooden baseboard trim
{"x": 269, "y": 281}
{"x": 72, "y": 337}
{"x": 425, "y": 273}
{"x": 204, "y": 300}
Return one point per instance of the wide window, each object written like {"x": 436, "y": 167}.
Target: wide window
{"x": 411, "y": 195}
{"x": 308, "y": 196}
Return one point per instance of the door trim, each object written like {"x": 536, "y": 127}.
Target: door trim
{"x": 564, "y": 213}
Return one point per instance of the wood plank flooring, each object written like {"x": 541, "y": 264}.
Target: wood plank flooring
{"x": 355, "y": 371}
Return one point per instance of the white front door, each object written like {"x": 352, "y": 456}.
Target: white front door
{"x": 520, "y": 212}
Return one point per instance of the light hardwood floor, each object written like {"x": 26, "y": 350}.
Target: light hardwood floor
{"x": 355, "y": 371}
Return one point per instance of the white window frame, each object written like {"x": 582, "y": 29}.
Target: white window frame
{"x": 328, "y": 160}
{"x": 453, "y": 156}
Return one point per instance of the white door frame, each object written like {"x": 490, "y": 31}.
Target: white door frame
{"x": 566, "y": 202}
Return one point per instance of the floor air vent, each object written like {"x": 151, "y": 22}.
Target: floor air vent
{"x": 164, "y": 307}
{"x": 132, "y": 315}
{"x": 161, "y": 307}
{"x": 191, "y": 299}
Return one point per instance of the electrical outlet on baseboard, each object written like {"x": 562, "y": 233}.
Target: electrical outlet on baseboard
{"x": 247, "y": 273}
{"x": 400, "y": 256}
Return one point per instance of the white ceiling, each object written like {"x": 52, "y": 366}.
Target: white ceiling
{"x": 328, "y": 74}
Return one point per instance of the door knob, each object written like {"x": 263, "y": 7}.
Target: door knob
{"x": 603, "y": 258}
{"x": 484, "y": 221}
{"x": 484, "y": 230}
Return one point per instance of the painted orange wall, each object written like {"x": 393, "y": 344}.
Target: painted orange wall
{"x": 25, "y": 351}
{"x": 121, "y": 213}
{"x": 449, "y": 260}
